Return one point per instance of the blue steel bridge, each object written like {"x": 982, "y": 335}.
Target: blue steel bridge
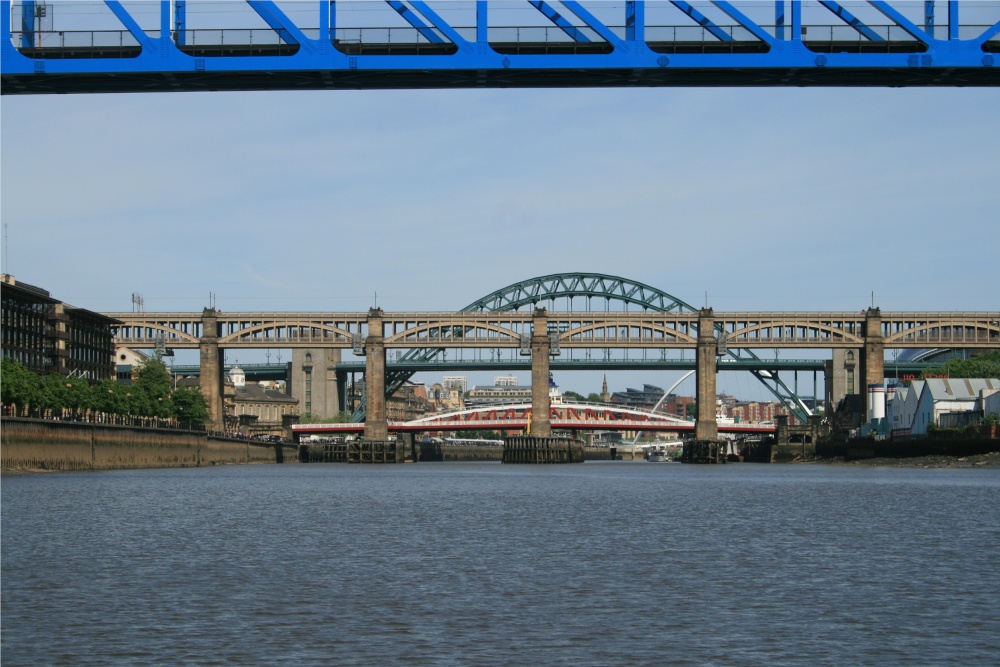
{"x": 184, "y": 45}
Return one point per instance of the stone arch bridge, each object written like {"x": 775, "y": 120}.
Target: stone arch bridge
{"x": 544, "y": 315}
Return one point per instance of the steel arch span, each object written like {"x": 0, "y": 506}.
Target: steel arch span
{"x": 569, "y": 286}
{"x": 178, "y": 45}
{"x": 573, "y": 285}
{"x": 567, "y": 416}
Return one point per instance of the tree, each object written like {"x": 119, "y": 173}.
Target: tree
{"x": 78, "y": 395}
{"x": 593, "y": 398}
{"x": 19, "y": 385}
{"x": 189, "y": 406}
{"x": 981, "y": 366}
{"x": 109, "y": 396}
{"x": 53, "y": 395}
{"x": 575, "y": 396}
{"x": 153, "y": 380}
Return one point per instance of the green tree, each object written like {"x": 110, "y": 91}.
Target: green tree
{"x": 53, "y": 395}
{"x": 136, "y": 402}
{"x": 575, "y": 396}
{"x": 19, "y": 386}
{"x": 981, "y": 366}
{"x": 153, "y": 380}
{"x": 78, "y": 395}
{"x": 109, "y": 396}
{"x": 593, "y": 398}
{"x": 189, "y": 405}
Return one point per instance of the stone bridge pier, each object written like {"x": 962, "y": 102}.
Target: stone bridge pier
{"x": 212, "y": 368}
{"x": 376, "y": 421}
{"x": 540, "y": 425}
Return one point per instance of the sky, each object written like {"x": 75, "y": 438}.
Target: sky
{"x": 764, "y": 199}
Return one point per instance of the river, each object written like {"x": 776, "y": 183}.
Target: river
{"x": 602, "y": 563}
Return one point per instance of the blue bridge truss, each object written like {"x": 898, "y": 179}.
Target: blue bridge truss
{"x": 184, "y": 45}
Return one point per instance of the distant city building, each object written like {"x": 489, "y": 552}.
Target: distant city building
{"x": 505, "y": 381}
{"x": 48, "y": 336}
{"x": 494, "y": 395}
{"x": 459, "y": 382}
{"x": 444, "y": 398}
{"x": 253, "y": 408}
{"x": 648, "y": 397}
{"x": 407, "y": 403}
{"x": 410, "y": 401}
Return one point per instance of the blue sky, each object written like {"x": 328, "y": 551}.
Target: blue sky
{"x": 761, "y": 199}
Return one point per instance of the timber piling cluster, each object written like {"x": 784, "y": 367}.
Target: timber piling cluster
{"x": 703, "y": 451}
{"x": 354, "y": 451}
{"x": 532, "y": 449}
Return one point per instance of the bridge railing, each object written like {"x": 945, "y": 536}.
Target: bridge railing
{"x": 77, "y": 44}
{"x": 670, "y": 39}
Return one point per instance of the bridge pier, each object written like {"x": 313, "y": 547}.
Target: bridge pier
{"x": 841, "y": 376}
{"x": 313, "y": 381}
{"x": 376, "y": 423}
{"x": 211, "y": 368}
{"x": 706, "y": 426}
{"x": 540, "y": 424}
{"x": 873, "y": 356}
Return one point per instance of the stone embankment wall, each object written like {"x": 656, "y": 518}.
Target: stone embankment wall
{"x": 972, "y": 442}
{"x": 32, "y": 444}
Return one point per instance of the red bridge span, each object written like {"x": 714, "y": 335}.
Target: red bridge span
{"x": 574, "y": 417}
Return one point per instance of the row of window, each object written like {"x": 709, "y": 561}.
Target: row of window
{"x": 266, "y": 412}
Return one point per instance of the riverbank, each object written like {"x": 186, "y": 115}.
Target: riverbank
{"x": 989, "y": 460}
{"x": 36, "y": 445}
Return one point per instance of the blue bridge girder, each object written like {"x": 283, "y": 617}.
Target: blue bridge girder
{"x": 50, "y": 49}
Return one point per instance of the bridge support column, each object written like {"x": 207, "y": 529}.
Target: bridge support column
{"x": 873, "y": 356}
{"x": 211, "y": 368}
{"x": 342, "y": 391}
{"x": 376, "y": 423}
{"x": 841, "y": 376}
{"x": 706, "y": 427}
{"x": 540, "y": 402}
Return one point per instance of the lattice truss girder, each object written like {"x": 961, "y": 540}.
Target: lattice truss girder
{"x": 181, "y": 45}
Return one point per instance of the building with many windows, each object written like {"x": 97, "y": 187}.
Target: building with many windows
{"x": 48, "y": 336}
{"x": 265, "y": 408}
{"x": 459, "y": 382}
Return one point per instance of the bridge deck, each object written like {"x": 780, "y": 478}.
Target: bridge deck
{"x": 894, "y": 45}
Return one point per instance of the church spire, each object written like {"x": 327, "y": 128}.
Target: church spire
{"x": 605, "y": 396}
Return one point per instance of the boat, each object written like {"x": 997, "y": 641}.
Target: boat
{"x": 657, "y": 453}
